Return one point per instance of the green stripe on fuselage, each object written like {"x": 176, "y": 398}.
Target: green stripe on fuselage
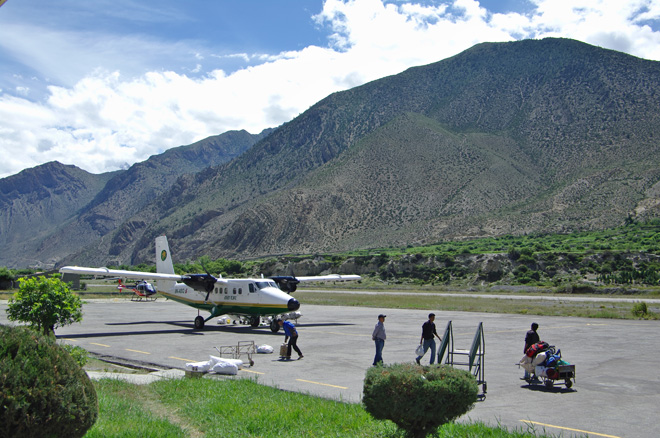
{"x": 236, "y": 308}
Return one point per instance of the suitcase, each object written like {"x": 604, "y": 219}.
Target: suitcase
{"x": 283, "y": 349}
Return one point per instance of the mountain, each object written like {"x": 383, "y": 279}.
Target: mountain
{"x": 53, "y": 210}
{"x": 548, "y": 135}
{"x": 531, "y": 136}
{"x": 37, "y": 200}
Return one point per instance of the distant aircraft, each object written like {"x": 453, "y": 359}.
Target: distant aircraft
{"x": 143, "y": 290}
{"x": 244, "y": 297}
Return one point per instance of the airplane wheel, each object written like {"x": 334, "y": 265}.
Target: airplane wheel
{"x": 255, "y": 321}
{"x": 274, "y": 326}
{"x": 199, "y": 322}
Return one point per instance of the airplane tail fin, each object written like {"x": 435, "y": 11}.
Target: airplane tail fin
{"x": 164, "y": 263}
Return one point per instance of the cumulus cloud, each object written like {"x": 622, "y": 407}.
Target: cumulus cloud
{"x": 105, "y": 119}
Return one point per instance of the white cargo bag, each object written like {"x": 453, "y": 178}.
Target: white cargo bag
{"x": 225, "y": 368}
{"x": 216, "y": 360}
{"x": 539, "y": 358}
{"x": 200, "y": 367}
{"x": 265, "y": 349}
{"x": 541, "y": 372}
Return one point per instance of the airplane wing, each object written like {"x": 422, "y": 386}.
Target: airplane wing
{"x": 331, "y": 277}
{"x": 105, "y": 272}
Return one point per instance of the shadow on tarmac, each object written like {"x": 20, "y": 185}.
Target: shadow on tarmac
{"x": 187, "y": 328}
{"x": 551, "y": 389}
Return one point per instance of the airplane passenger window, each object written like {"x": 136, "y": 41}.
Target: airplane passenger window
{"x": 240, "y": 290}
{"x": 234, "y": 291}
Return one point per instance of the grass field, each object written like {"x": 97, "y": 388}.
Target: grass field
{"x": 243, "y": 408}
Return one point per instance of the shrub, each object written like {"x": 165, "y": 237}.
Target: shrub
{"x": 43, "y": 391}
{"x": 640, "y": 309}
{"x": 418, "y": 399}
{"x": 78, "y": 354}
{"x": 44, "y": 303}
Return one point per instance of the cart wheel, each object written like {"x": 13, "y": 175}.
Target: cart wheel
{"x": 549, "y": 383}
{"x": 568, "y": 383}
{"x": 484, "y": 388}
{"x": 251, "y": 363}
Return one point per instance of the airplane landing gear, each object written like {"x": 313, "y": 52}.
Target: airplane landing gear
{"x": 199, "y": 322}
{"x": 274, "y": 326}
{"x": 255, "y": 321}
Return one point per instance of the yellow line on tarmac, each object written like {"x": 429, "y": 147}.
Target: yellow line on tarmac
{"x": 100, "y": 345}
{"x": 64, "y": 339}
{"x": 323, "y": 384}
{"x": 136, "y": 351}
{"x": 180, "y": 358}
{"x": 569, "y": 428}
{"x": 250, "y": 371}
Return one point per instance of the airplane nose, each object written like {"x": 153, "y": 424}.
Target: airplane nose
{"x": 293, "y": 304}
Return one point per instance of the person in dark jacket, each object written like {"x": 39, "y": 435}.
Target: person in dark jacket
{"x": 531, "y": 338}
{"x": 428, "y": 340}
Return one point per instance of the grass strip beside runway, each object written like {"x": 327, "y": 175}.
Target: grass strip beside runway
{"x": 219, "y": 408}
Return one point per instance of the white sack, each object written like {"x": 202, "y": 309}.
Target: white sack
{"x": 225, "y": 368}
{"x": 541, "y": 372}
{"x": 539, "y": 358}
{"x": 264, "y": 349}
{"x": 215, "y": 360}
{"x": 201, "y": 367}
{"x": 526, "y": 363}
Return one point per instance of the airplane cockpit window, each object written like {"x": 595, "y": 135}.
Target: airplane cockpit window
{"x": 264, "y": 284}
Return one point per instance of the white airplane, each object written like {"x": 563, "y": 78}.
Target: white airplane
{"x": 245, "y": 297}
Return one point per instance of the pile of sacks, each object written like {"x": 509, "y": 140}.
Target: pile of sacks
{"x": 218, "y": 365}
{"x": 542, "y": 360}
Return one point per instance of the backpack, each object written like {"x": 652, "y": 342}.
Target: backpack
{"x": 535, "y": 349}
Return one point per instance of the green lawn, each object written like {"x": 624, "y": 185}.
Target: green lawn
{"x": 243, "y": 408}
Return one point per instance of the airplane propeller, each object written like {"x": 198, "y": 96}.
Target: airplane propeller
{"x": 287, "y": 283}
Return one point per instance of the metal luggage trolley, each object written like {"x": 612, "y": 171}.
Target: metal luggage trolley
{"x": 243, "y": 348}
{"x": 564, "y": 371}
{"x": 473, "y": 358}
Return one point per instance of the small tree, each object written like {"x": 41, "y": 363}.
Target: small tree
{"x": 418, "y": 399}
{"x": 44, "y": 303}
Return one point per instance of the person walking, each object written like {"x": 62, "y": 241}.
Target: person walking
{"x": 428, "y": 340}
{"x": 532, "y": 337}
{"x": 378, "y": 336}
{"x": 290, "y": 335}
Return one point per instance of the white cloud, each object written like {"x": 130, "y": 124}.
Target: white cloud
{"x": 102, "y": 120}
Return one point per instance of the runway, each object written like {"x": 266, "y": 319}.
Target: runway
{"x": 616, "y": 393}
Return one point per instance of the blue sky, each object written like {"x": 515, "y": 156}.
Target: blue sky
{"x": 103, "y": 84}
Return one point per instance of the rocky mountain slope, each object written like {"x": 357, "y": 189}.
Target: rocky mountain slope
{"x": 550, "y": 135}
{"x": 53, "y": 210}
{"x": 531, "y": 136}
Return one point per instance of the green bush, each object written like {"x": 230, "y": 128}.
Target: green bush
{"x": 78, "y": 354}
{"x": 640, "y": 309}
{"x": 418, "y": 399}
{"x": 43, "y": 391}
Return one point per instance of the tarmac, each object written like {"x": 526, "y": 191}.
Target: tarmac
{"x": 616, "y": 391}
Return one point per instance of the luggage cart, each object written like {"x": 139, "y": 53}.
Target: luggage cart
{"x": 243, "y": 348}
{"x": 554, "y": 373}
{"x": 565, "y": 373}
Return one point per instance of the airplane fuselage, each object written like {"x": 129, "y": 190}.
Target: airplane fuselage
{"x": 245, "y": 297}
